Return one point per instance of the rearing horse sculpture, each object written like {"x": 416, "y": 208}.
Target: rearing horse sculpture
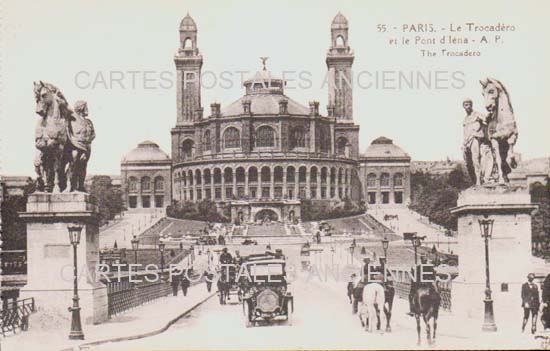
{"x": 63, "y": 138}
{"x": 51, "y": 138}
{"x": 501, "y": 126}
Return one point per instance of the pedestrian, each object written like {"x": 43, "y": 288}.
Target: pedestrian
{"x": 185, "y": 283}
{"x": 351, "y": 285}
{"x": 175, "y": 281}
{"x": 208, "y": 276}
{"x": 357, "y": 294}
{"x": 530, "y": 302}
{"x": 545, "y": 317}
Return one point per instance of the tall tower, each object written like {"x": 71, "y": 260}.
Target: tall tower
{"x": 188, "y": 62}
{"x": 339, "y": 61}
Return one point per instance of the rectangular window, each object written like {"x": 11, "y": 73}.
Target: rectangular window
{"x": 372, "y": 197}
{"x": 218, "y": 193}
{"x": 332, "y": 192}
{"x": 313, "y": 193}
{"x": 199, "y": 194}
{"x": 323, "y": 193}
{"x": 159, "y": 201}
{"x": 240, "y": 192}
{"x": 228, "y": 193}
{"x": 132, "y": 201}
{"x": 302, "y": 193}
{"x": 145, "y": 201}
{"x": 208, "y": 194}
{"x": 278, "y": 192}
{"x": 266, "y": 193}
{"x": 252, "y": 192}
{"x": 385, "y": 197}
{"x": 398, "y": 196}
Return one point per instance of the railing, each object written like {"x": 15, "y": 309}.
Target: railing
{"x": 123, "y": 295}
{"x": 15, "y": 315}
{"x": 267, "y": 155}
{"x": 403, "y": 287}
{"x": 14, "y": 262}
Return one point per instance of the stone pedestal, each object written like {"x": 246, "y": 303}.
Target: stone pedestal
{"x": 50, "y": 255}
{"x": 509, "y": 252}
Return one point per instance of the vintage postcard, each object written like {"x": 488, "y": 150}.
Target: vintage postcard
{"x": 200, "y": 174}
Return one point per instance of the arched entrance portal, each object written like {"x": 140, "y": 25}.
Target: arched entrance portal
{"x": 266, "y": 215}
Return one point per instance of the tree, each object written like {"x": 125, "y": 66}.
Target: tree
{"x": 14, "y": 231}
{"x": 540, "y": 221}
{"x": 109, "y": 198}
{"x": 434, "y": 195}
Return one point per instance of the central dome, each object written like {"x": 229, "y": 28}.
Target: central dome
{"x": 146, "y": 151}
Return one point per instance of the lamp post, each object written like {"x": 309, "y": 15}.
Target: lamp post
{"x": 76, "y": 326}
{"x": 416, "y": 242}
{"x": 135, "y": 247}
{"x": 351, "y": 249}
{"x": 486, "y": 228}
{"x": 162, "y": 245}
{"x": 385, "y": 245}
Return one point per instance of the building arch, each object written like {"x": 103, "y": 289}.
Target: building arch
{"x": 266, "y": 174}
{"x": 342, "y": 146}
{"x": 206, "y": 141}
{"x": 384, "y": 179}
{"x": 290, "y": 174}
{"x": 398, "y": 179}
{"x": 228, "y": 175}
{"x": 132, "y": 184}
{"x": 217, "y": 175}
{"x": 159, "y": 184}
{"x": 187, "y": 149}
{"x": 231, "y": 138}
{"x": 302, "y": 174}
{"x": 278, "y": 174}
{"x": 297, "y": 137}
{"x": 240, "y": 175}
{"x": 207, "y": 175}
{"x": 265, "y": 136}
{"x": 253, "y": 174}
{"x": 145, "y": 183}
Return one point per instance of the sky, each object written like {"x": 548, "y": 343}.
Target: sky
{"x": 78, "y": 45}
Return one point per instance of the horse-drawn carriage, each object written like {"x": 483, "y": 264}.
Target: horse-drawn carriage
{"x": 268, "y": 299}
{"x": 230, "y": 288}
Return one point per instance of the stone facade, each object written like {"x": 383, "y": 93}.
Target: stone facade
{"x": 385, "y": 174}
{"x": 146, "y": 177}
{"x": 264, "y": 146}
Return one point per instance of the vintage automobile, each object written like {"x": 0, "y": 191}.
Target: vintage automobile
{"x": 206, "y": 240}
{"x": 249, "y": 242}
{"x": 267, "y": 299}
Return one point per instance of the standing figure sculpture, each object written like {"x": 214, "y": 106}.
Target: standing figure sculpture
{"x": 81, "y": 134}
{"x": 476, "y": 145}
{"x": 63, "y": 139}
{"x": 501, "y": 126}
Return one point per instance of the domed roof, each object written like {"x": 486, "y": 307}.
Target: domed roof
{"x": 384, "y": 148}
{"x": 339, "y": 21}
{"x": 188, "y": 24}
{"x": 146, "y": 151}
{"x": 264, "y": 104}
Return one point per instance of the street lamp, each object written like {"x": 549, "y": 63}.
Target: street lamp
{"x": 135, "y": 246}
{"x": 351, "y": 249}
{"x": 486, "y": 228}
{"x": 385, "y": 245}
{"x": 162, "y": 245}
{"x": 416, "y": 242}
{"x": 76, "y": 326}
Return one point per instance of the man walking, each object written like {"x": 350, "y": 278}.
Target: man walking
{"x": 351, "y": 285}
{"x": 208, "y": 276}
{"x": 530, "y": 302}
{"x": 185, "y": 283}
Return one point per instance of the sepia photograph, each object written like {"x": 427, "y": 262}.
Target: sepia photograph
{"x": 274, "y": 175}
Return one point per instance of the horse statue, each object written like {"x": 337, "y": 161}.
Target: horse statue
{"x": 501, "y": 126}
{"x": 51, "y": 138}
{"x": 425, "y": 303}
{"x": 63, "y": 139}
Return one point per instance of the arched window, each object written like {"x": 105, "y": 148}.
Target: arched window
{"x": 341, "y": 145}
{"x": 340, "y": 41}
{"x": 198, "y": 178}
{"x": 188, "y": 43}
{"x": 371, "y": 180}
{"x": 132, "y": 184}
{"x": 207, "y": 176}
{"x": 313, "y": 175}
{"x": 297, "y": 138}
{"x": 252, "y": 175}
{"x": 278, "y": 174}
{"x": 265, "y": 137}
{"x": 231, "y": 138}
{"x": 145, "y": 184}
{"x": 190, "y": 177}
{"x": 206, "y": 142}
{"x": 324, "y": 139}
{"x": 240, "y": 175}
{"x": 217, "y": 176}
{"x": 398, "y": 179}
{"x": 228, "y": 176}
{"x": 302, "y": 178}
{"x": 266, "y": 174}
{"x": 187, "y": 149}
{"x": 159, "y": 184}
{"x": 384, "y": 179}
